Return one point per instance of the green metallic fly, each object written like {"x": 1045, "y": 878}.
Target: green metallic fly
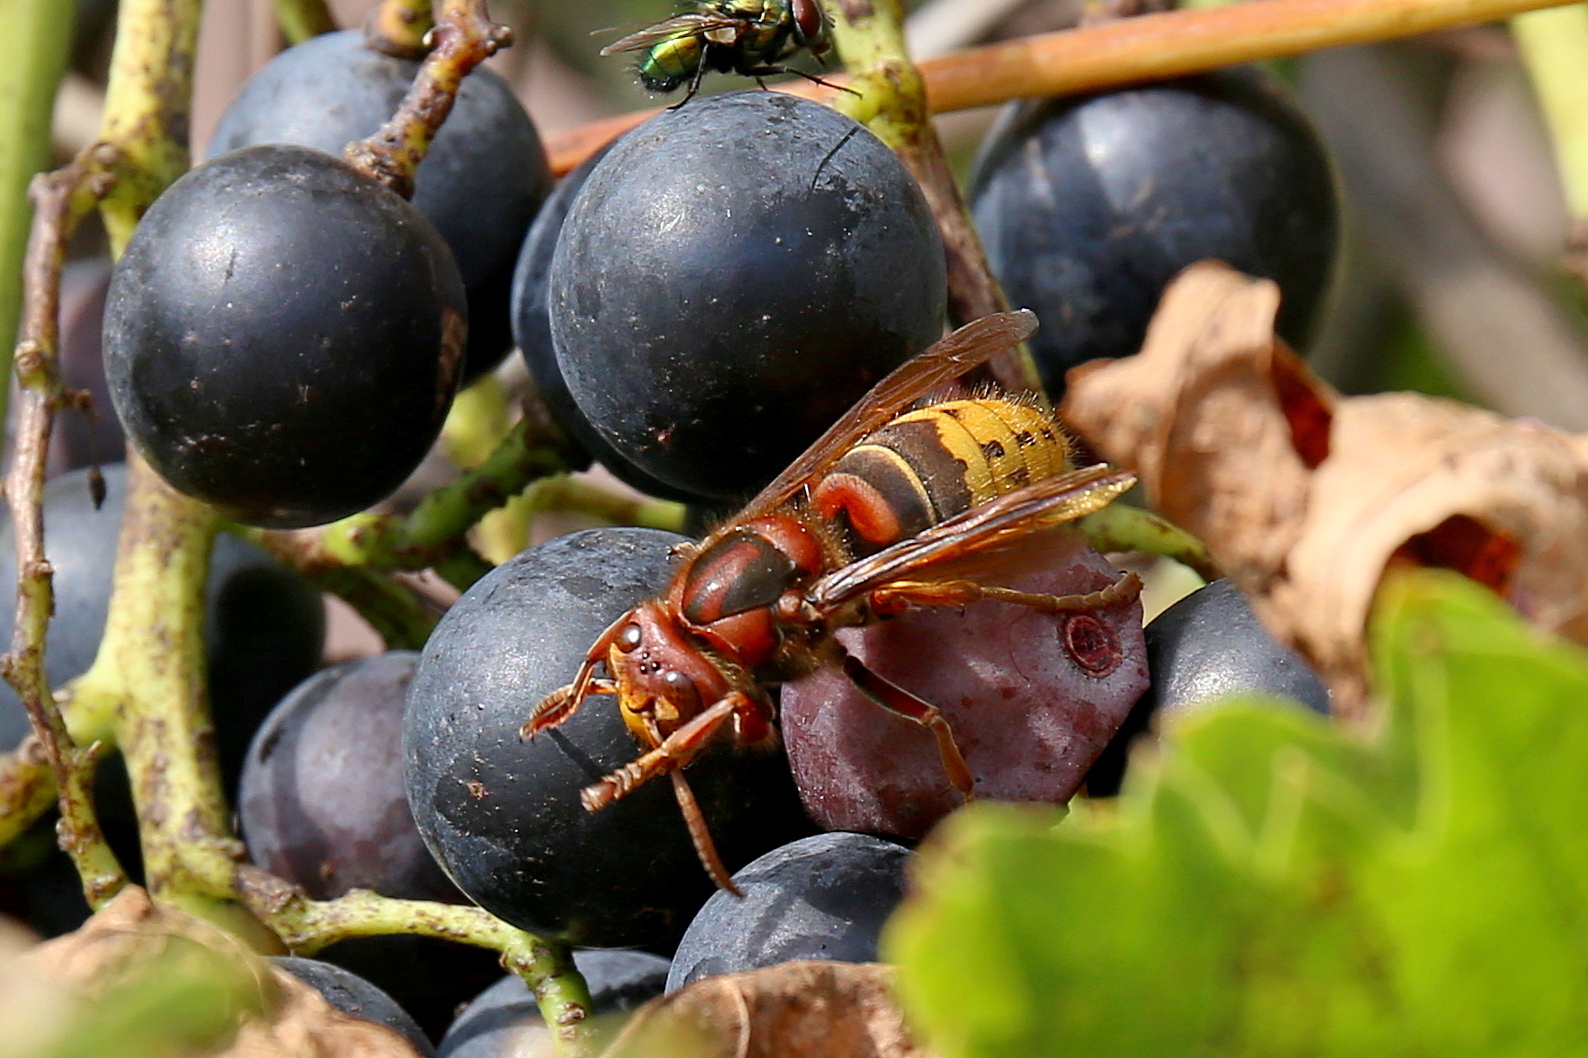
{"x": 748, "y": 37}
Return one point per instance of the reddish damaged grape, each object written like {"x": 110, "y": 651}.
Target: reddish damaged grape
{"x": 1032, "y": 698}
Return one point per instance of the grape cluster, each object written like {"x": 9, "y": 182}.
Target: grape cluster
{"x": 283, "y": 338}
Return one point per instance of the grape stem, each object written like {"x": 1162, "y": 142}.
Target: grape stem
{"x": 344, "y": 558}
{"x": 568, "y": 495}
{"x": 399, "y": 616}
{"x": 398, "y": 27}
{"x": 480, "y": 417}
{"x": 1122, "y": 527}
{"x": 308, "y": 925}
{"x": 61, "y": 199}
{"x": 531, "y": 450}
{"x": 1145, "y": 48}
{"x": 463, "y": 38}
{"x": 889, "y": 97}
{"x": 302, "y": 19}
{"x": 33, "y": 50}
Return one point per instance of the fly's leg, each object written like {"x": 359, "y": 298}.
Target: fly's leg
{"x": 898, "y": 596}
{"x": 694, "y": 85}
{"x": 897, "y": 700}
{"x": 759, "y": 72}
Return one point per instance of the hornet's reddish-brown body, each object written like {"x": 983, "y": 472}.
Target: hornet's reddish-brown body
{"x": 891, "y": 508}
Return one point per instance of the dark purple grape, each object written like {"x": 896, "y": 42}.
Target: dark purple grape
{"x": 322, "y": 802}
{"x": 283, "y": 336}
{"x": 1207, "y": 646}
{"x": 351, "y": 994}
{"x": 734, "y": 275}
{"x": 532, "y": 332}
{"x": 503, "y": 816}
{"x": 1032, "y": 699}
{"x": 322, "y": 805}
{"x": 505, "y": 1022}
{"x": 480, "y": 184}
{"x": 1089, "y": 206}
{"x": 821, "y": 897}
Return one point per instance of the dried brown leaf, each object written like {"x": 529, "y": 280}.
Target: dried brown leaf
{"x": 1306, "y": 497}
{"x": 792, "y": 1010}
{"x": 278, "y": 1017}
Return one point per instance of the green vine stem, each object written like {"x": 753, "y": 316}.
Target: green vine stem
{"x": 569, "y": 495}
{"x": 1123, "y": 527}
{"x": 33, "y": 52}
{"x": 1554, "y": 46}
{"x": 889, "y": 97}
{"x": 148, "y": 105}
{"x": 1144, "y": 48}
{"x": 302, "y": 19}
{"x": 150, "y": 667}
{"x": 530, "y": 451}
{"x": 396, "y": 613}
{"x": 481, "y": 416}
{"x": 464, "y": 38}
{"x": 399, "y": 27}
{"x": 308, "y": 925}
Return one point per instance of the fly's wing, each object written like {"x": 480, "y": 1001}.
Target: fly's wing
{"x": 972, "y": 345}
{"x": 685, "y": 25}
{"x": 980, "y": 542}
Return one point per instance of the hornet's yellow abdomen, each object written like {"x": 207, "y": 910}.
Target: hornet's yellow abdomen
{"x": 930, "y": 464}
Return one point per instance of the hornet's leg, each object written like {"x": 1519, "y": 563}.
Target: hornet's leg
{"x": 900, "y": 595}
{"x": 562, "y": 703}
{"x": 674, "y": 751}
{"x": 700, "y": 834}
{"x": 897, "y": 700}
{"x": 670, "y": 755}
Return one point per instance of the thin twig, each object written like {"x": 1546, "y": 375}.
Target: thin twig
{"x": 60, "y": 200}
{"x": 1148, "y": 48}
{"x": 464, "y": 38}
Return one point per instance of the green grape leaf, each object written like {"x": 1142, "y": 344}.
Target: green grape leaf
{"x": 1269, "y": 884}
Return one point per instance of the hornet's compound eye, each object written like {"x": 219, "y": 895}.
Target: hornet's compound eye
{"x": 681, "y": 692}
{"x": 630, "y": 637}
